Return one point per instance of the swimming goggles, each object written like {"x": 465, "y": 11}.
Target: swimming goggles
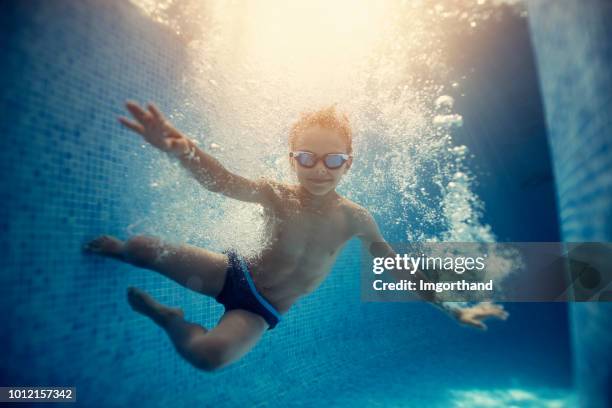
{"x": 331, "y": 160}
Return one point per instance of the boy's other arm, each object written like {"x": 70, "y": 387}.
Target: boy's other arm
{"x": 206, "y": 169}
{"x": 369, "y": 234}
{"x": 367, "y": 230}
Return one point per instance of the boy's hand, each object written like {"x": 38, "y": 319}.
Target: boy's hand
{"x": 155, "y": 129}
{"x": 473, "y": 316}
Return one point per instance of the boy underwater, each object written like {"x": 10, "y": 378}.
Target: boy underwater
{"x": 307, "y": 225}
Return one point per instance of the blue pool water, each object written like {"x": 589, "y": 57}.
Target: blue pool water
{"x": 69, "y": 173}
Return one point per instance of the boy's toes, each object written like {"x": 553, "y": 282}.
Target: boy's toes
{"x": 95, "y": 245}
{"x": 89, "y": 247}
{"x": 137, "y": 298}
{"x": 104, "y": 244}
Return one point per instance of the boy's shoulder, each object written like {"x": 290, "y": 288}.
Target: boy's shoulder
{"x": 277, "y": 193}
{"x": 353, "y": 207}
{"x": 362, "y": 223}
{"x": 357, "y": 213}
{"x": 275, "y": 187}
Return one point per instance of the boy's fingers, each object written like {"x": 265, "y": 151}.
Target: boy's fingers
{"x": 155, "y": 112}
{"x": 477, "y": 323}
{"x": 136, "y": 127}
{"x": 489, "y": 306}
{"x": 501, "y": 313}
{"x": 141, "y": 115}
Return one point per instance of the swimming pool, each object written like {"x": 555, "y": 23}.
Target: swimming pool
{"x": 70, "y": 173}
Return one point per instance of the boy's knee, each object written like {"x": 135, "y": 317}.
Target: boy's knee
{"x": 210, "y": 356}
{"x": 141, "y": 249}
{"x": 207, "y": 364}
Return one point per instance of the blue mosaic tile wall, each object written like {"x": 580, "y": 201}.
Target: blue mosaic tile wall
{"x": 69, "y": 172}
{"x": 574, "y": 54}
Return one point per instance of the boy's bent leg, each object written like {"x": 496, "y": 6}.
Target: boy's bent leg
{"x": 235, "y": 335}
{"x": 144, "y": 304}
{"x": 193, "y": 267}
{"x": 237, "y": 332}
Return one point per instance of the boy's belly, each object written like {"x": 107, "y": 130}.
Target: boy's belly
{"x": 282, "y": 278}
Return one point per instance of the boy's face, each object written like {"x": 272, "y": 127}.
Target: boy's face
{"x": 319, "y": 180}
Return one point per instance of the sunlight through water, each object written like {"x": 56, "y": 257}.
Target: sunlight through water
{"x": 254, "y": 66}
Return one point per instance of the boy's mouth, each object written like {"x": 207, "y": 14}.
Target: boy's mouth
{"x": 320, "y": 181}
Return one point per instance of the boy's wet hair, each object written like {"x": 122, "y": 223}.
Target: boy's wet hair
{"x": 328, "y": 118}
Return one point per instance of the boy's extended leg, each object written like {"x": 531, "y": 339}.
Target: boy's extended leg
{"x": 193, "y": 267}
{"x": 237, "y": 332}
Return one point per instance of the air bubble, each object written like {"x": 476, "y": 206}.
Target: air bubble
{"x": 452, "y": 120}
{"x": 444, "y": 102}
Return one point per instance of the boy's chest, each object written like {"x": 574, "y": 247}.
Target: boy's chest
{"x": 323, "y": 229}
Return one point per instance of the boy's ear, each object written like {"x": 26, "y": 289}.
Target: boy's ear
{"x": 291, "y": 163}
{"x": 349, "y": 162}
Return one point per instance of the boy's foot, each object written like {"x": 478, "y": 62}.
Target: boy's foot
{"x": 105, "y": 245}
{"x": 144, "y": 304}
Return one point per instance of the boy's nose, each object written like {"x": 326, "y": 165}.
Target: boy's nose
{"x": 321, "y": 169}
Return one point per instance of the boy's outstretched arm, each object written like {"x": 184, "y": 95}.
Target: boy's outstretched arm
{"x": 207, "y": 170}
{"x": 369, "y": 233}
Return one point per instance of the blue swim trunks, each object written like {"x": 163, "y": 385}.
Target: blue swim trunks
{"x": 239, "y": 291}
